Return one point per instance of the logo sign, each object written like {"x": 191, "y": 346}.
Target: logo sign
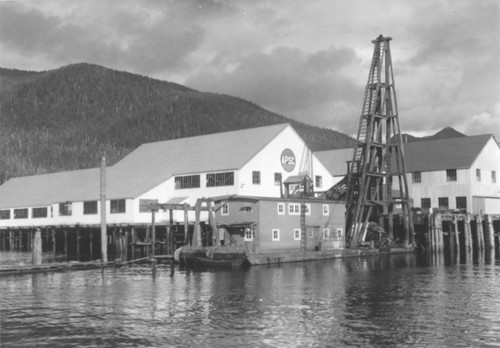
{"x": 287, "y": 160}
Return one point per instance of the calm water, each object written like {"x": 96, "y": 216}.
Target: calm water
{"x": 396, "y": 301}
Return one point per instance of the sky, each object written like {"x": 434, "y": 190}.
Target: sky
{"x": 306, "y": 60}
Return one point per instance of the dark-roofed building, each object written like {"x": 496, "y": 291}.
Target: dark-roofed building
{"x": 456, "y": 173}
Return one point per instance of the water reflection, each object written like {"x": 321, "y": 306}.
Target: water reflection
{"x": 404, "y": 300}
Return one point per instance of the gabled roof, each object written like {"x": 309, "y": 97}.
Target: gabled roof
{"x": 143, "y": 169}
{"x": 41, "y": 190}
{"x": 431, "y": 155}
{"x": 153, "y": 163}
{"x": 451, "y": 153}
{"x": 335, "y": 160}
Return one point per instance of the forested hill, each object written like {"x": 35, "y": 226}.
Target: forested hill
{"x": 64, "y": 119}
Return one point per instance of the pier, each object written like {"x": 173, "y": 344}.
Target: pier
{"x": 460, "y": 234}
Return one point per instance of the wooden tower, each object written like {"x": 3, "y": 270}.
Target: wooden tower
{"x": 378, "y": 157}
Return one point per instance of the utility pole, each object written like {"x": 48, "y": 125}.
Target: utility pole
{"x": 104, "y": 232}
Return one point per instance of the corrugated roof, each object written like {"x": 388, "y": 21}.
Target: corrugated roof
{"x": 143, "y": 169}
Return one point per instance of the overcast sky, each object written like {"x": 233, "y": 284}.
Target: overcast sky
{"x": 308, "y": 60}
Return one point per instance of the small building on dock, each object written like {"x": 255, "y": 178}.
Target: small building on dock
{"x": 271, "y": 225}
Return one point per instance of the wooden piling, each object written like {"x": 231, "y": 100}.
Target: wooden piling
{"x": 78, "y": 244}
{"x": 480, "y": 232}
{"x": 467, "y": 233}
{"x": 37, "y": 247}
{"x": 132, "y": 244}
{"x": 451, "y": 239}
{"x": 53, "y": 233}
{"x": 186, "y": 225}
{"x": 213, "y": 224}
{"x": 197, "y": 227}
{"x": 169, "y": 242}
{"x": 66, "y": 244}
{"x": 91, "y": 245}
{"x": 153, "y": 232}
{"x": 490, "y": 241}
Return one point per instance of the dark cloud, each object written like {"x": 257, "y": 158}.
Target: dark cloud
{"x": 127, "y": 40}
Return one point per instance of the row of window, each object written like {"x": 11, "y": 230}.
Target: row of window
{"x": 297, "y": 234}
{"x": 293, "y": 209}
{"x": 213, "y": 180}
{"x": 226, "y": 179}
{"x": 117, "y": 206}
{"x": 278, "y": 179}
{"x": 451, "y": 175}
{"x": 443, "y": 202}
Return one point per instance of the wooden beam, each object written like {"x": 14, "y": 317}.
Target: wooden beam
{"x": 37, "y": 247}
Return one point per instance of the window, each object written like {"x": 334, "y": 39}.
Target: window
{"x": 5, "y": 214}
{"x": 416, "y": 177}
{"x": 326, "y": 233}
{"x": 39, "y": 212}
{"x": 319, "y": 181}
{"x": 187, "y": 181}
{"x": 326, "y": 209}
{"x": 277, "y": 178}
{"x": 311, "y": 234}
{"x": 276, "y": 234}
{"x": 296, "y": 234}
{"x": 493, "y": 177}
{"x": 294, "y": 208}
{"x": 281, "y": 208}
{"x": 425, "y": 203}
{"x": 249, "y": 233}
{"x": 117, "y": 206}
{"x": 90, "y": 208}
{"x": 21, "y": 213}
{"x": 451, "y": 175}
{"x": 340, "y": 233}
{"x": 220, "y": 179}
{"x": 478, "y": 174}
{"x": 256, "y": 177}
{"x": 225, "y": 209}
{"x": 65, "y": 209}
{"x": 461, "y": 202}
{"x": 443, "y": 202}
{"x": 144, "y": 205}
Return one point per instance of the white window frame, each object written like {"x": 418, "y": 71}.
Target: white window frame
{"x": 224, "y": 210}
{"x": 282, "y": 206}
{"x": 275, "y": 234}
{"x": 326, "y": 209}
{"x": 297, "y": 234}
{"x": 293, "y": 208}
{"x": 340, "y": 233}
{"x": 249, "y": 233}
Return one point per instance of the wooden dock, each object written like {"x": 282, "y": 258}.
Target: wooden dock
{"x": 74, "y": 266}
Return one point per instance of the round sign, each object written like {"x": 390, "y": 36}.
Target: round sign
{"x": 287, "y": 160}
